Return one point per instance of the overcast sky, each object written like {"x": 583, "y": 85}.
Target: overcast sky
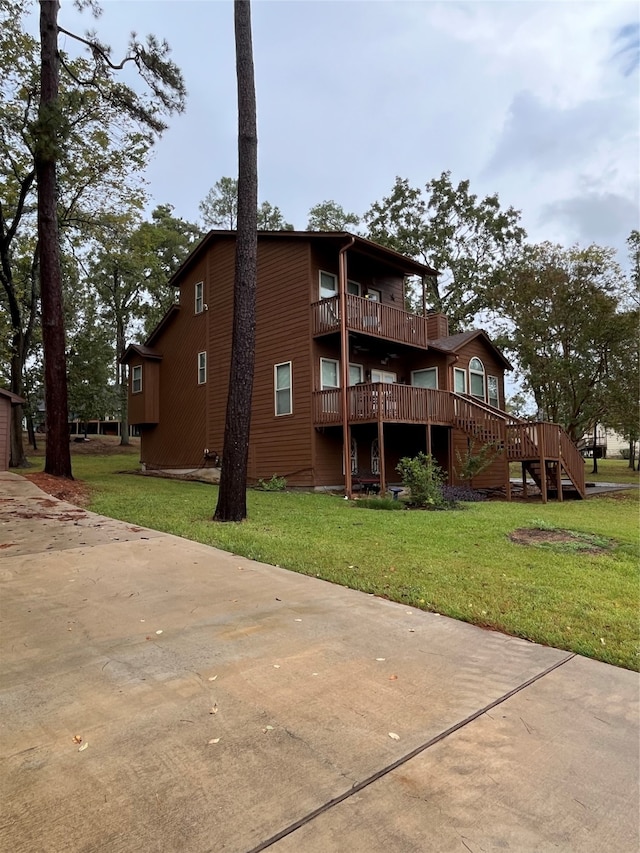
{"x": 538, "y": 101}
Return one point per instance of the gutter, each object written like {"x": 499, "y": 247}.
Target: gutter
{"x": 344, "y": 365}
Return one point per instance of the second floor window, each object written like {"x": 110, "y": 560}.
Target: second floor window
{"x": 136, "y": 379}
{"x": 202, "y": 368}
{"x": 328, "y": 285}
{"x": 492, "y": 391}
{"x": 199, "y": 297}
{"x": 282, "y": 388}
{"x": 476, "y": 378}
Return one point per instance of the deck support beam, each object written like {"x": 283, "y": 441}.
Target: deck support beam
{"x": 524, "y": 479}
{"x": 383, "y": 467}
{"x": 559, "y": 480}
{"x": 428, "y": 438}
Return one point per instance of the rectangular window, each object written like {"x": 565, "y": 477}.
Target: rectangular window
{"x": 427, "y": 378}
{"x": 202, "y": 368}
{"x": 356, "y": 374}
{"x": 385, "y": 376}
{"x": 492, "y": 391}
{"x": 353, "y": 287}
{"x": 136, "y": 379}
{"x": 459, "y": 380}
{"x": 329, "y": 373}
{"x": 374, "y": 295}
{"x": 282, "y": 388}
{"x": 199, "y": 297}
{"x": 477, "y": 385}
{"x": 328, "y": 285}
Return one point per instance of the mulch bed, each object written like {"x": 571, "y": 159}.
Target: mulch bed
{"x": 74, "y": 491}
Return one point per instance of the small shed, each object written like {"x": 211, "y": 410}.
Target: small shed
{"x": 7, "y": 400}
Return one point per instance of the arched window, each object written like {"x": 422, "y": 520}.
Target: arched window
{"x": 476, "y": 378}
{"x": 375, "y": 456}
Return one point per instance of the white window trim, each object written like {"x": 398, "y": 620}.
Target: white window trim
{"x": 424, "y": 370}
{"x": 337, "y": 364}
{"x": 198, "y": 302}
{"x": 288, "y": 388}
{"x": 360, "y": 368}
{"x": 482, "y": 373}
{"x": 333, "y": 276}
{"x": 202, "y": 368}
{"x": 497, "y": 403}
{"x": 388, "y": 373}
{"x": 134, "y": 369}
{"x": 463, "y": 372}
{"x": 370, "y": 291}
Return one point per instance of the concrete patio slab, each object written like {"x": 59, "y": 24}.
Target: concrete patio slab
{"x": 222, "y": 702}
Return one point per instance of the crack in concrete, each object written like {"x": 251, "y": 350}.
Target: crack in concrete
{"x": 384, "y": 771}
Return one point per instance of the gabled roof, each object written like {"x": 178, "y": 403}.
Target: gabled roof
{"x": 140, "y": 351}
{"x": 15, "y": 400}
{"x": 454, "y": 343}
{"x": 341, "y": 238}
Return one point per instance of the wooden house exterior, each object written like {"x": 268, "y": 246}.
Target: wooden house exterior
{"x": 7, "y": 400}
{"x": 346, "y": 381}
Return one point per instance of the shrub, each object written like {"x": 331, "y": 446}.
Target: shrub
{"x": 472, "y": 463}
{"x": 423, "y": 477}
{"x": 275, "y": 484}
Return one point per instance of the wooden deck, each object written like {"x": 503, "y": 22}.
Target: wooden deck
{"x": 544, "y": 448}
{"x": 369, "y": 318}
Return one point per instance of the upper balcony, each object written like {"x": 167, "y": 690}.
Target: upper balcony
{"x": 370, "y": 318}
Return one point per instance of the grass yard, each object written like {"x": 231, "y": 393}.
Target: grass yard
{"x": 460, "y": 563}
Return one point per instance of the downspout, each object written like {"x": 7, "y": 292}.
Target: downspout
{"x": 344, "y": 365}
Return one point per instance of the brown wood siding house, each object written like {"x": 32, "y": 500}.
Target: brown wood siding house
{"x": 405, "y": 383}
{"x": 7, "y": 400}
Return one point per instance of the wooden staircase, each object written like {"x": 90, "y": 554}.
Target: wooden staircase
{"x": 545, "y": 450}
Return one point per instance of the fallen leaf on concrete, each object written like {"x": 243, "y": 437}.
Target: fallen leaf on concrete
{"x": 212, "y": 677}
{"x": 159, "y": 632}
{"x": 215, "y": 740}
{"x": 393, "y": 678}
{"x": 394, "y": 736}
{"x": 213, "y": 709}
{"x": 84, "y": 746}
{"x": 412, "y": 630}
{"x": 276, "y": 666}
{"x": 267, "y": 729}
{"x": 77, "y": 738}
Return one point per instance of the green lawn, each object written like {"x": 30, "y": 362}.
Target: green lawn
{"x": 459, "y": 563}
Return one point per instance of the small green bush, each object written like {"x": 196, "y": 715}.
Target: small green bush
{"x": 275, "y": 484}
{"x": 423, "y": 477}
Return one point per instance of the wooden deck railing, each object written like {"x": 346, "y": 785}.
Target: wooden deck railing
{"x": 380, "y": 401}
{"x": 545, "y": 442}
{"x": 369, "y": 318}
{"x": 522, "y": 441}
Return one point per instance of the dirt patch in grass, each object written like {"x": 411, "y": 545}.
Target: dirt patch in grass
{"x": 74, "y": 491}
{"x": 561, "y": 540}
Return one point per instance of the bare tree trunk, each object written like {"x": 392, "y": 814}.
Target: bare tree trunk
{"x": 58, "y": 455}
{"x": 232, "y": 497}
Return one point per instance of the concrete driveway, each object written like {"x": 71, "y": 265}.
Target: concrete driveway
{"x": 161, "y": 695}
